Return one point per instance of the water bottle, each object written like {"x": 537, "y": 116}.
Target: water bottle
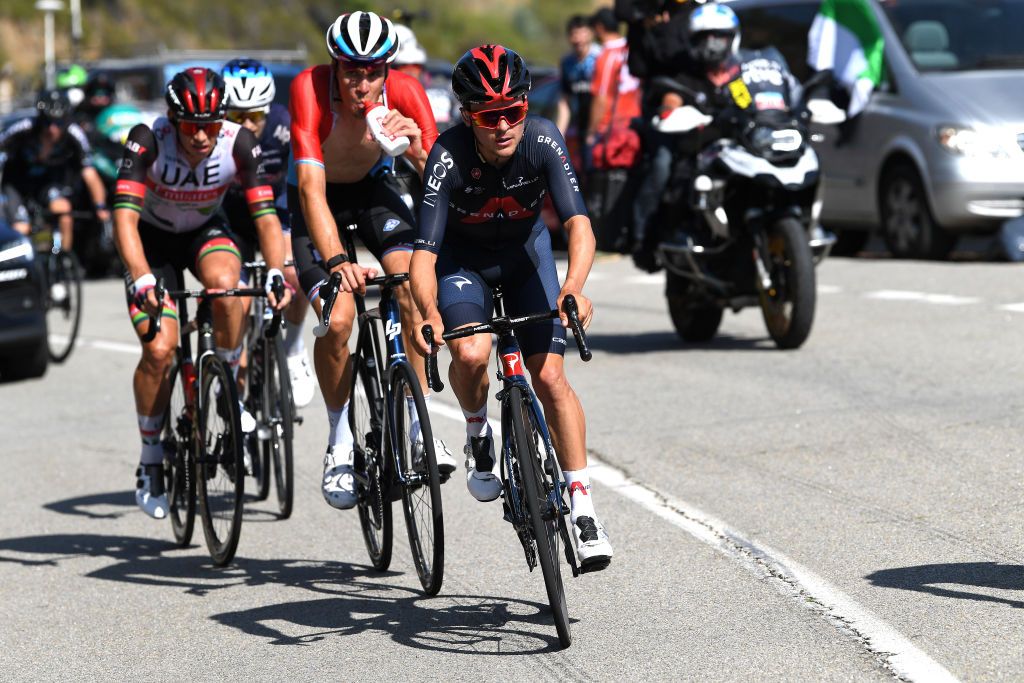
{"x": 392, "y": 146}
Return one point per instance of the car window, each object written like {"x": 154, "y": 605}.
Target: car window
{"x": 960, "y": 35}
{"x": 782, "y": 26}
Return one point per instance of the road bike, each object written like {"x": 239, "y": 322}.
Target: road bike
{"x": 201, "y": 433}
{"x": 268, "y": 397}
{"x": 533, "y": 489}
{"x": 390, "y": 462}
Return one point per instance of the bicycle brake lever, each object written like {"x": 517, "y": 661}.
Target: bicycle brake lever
{"x": 333, "y": 285}
{"x": 155, "y": 323}
{"x": 573, "y": 312}
{"x": 277, "y": 287}
{"x": 434, "y": 382}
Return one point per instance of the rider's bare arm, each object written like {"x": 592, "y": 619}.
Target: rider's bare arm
{"x": 94, "y": 183}
{"x": 423, "y": 280}
{"x": 406, "y": 95}
{"x": 140, "y": 151}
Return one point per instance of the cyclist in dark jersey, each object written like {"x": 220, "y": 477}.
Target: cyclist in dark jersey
{"x": 250, "y": 90}
{"x": 480, "y": 227}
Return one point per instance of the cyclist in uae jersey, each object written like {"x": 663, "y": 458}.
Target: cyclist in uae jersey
{"x": 167, "y": 199}
{"x": 480, "y": 227}
{"x": 340, "y": 176}
{"x": 251, "y": 90}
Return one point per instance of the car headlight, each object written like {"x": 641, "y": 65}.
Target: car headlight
{"x": 16, "y": 250}
{"x": 977, "y": 144}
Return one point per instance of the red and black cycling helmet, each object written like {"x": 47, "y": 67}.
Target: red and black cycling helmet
{"x": 490, "y": 74}
{"x": 196, "y": 94}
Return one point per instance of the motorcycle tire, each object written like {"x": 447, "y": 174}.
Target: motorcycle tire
{"x": 788, "y": 309}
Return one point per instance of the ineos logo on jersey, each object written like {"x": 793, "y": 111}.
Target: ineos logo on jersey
{"x": 438, "y": 172}
{"x": 392, "y": 329}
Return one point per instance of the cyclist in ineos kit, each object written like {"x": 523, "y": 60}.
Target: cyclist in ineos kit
{"x": 166, "y": 218}
{"x": 339, "y": 176}
{"x": 480, "y": 226}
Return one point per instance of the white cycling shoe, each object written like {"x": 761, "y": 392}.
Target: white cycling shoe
{"x": 445, "y": 461}
{"x": 481, "y": 480}
{"x": 592, "y": 544}
{"x": 301, "y": 374}
{"x": 339, "y": 484}
{"x": 248, "y": 422}
{"x": 149, "y": 491}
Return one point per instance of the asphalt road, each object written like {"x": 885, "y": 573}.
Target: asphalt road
{"x": 848, "y": 511}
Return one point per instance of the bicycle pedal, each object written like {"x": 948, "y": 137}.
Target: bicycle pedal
{"x": 297, "y": 419}
{"x": 595, "y": 565}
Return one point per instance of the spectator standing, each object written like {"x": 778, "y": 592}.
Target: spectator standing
{"x": 576, "y": 72}
{"x": 616, "y": 92}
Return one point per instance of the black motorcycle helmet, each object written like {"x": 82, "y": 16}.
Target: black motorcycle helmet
{"x": 53, "y": 106}
{"x": 489, "y": 74}
{"x": 196, "y": 94}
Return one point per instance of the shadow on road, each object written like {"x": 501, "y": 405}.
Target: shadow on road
{"x": 954, "y": 580}
{"x": 358, "y": 600}
{"x": 95, "y": 506}
{"x": 646, "y": 342}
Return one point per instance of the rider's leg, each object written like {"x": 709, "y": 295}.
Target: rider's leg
{"x": 61, "y": 208}
{"x": 218, "y": 266}
{"x": 294, "y": 343}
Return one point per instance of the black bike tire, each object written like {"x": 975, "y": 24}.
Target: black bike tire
{"x": 66, "y": 262}
{"x": 179, "y": 468}
{"x": 379, "y": 549}
{"x": 534, "y": 491}
{"x": 430, "y": 570}
{"x": 222, "y": 550}
{"x": 278, "y": 450}
{"x": 256, "y": 404}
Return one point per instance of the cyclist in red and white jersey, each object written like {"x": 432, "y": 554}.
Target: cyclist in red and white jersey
{"x": 340, "y": 176}
{"x": 167, "y": 218}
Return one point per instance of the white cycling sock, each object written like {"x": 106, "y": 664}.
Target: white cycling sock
{"x": 149, "y": 430}
{"x": 578, "y": 483}
{"x": 476, "y": 422}
{"x": 414, "y": 416}
{"x": 293, "y": 341}
{"x": 340, "y": 436}
{"x": 232, "y": 358}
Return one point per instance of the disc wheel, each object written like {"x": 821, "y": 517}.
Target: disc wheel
{"x": 543, "y": 519}
{"x": 421, "y": 499}
{"x": 179, "y": 466}
{"x": 279, "y": 415}
{"x": 63, "y": 304}
{"x": 370, "y": 463}
{"x": 788, "y": 306}
{"x": 221, "y": 469}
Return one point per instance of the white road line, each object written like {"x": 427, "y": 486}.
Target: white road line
{"x": 940, "y": 299}
{"x": 1013, "y": 308}
{"x": 829, "y": 289}
{"x": 892, "y": 650}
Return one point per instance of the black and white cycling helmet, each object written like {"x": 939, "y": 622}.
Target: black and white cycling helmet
{"x": 714, "y": 32}
{"x": 249, "y": 85}
{"x": 362, "y": 38}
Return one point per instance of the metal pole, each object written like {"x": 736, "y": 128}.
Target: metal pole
{"x": 76, "y": 28}
{"x": 51, "y": 56}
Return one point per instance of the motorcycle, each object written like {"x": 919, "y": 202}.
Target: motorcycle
{"x": 754, "y": 202}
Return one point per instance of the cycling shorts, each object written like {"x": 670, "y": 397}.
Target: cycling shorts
{"x": 374, "y": 204}
{"x": 12, "y": 208}
{"x": 528, "y": 280}
{"x": 169, "y": 254}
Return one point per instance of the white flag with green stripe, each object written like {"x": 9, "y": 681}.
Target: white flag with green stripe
{"x": 845, "y": 37}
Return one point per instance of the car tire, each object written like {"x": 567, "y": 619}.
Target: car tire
{"x": 908, "y": 226}
{"x": 27, "y": 365}
{"x": 850, "y": 242}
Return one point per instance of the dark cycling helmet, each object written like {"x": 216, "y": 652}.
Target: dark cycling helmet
{"x": 53, "y": 105}
{"x": 99, "y": 85}
{"x": 196, "y": 94}
{"x": 490, "y": 74}
{"x": 362, "y": 38}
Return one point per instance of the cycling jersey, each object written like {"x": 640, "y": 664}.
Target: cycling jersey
{"x": 484, "y": 224}
{"x": 469, "y": 202}
{"x": 156, "y": 179}
{"x": 275, "y": 146}
{"x": 314, "y": 89}
{"x": 43, "y": 178}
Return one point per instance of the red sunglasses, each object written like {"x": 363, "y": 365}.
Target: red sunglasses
{"x": 491, "y": 118}
{"x": 190, "y": 128}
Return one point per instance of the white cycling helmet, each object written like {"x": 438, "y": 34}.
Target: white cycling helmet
{"x": 714, "y": 32}
{"x": 362, "y": 38}
{"x": 249, "y": 85}
{"x": 409, "y": 50}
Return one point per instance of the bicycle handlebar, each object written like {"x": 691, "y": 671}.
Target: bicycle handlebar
{"x": 434, "y": 382}
{"x": 572, "y": 311}
{"x": 155, "y": 323}
{"x": 277, "y": 287}
{"x": 333, "y": 286}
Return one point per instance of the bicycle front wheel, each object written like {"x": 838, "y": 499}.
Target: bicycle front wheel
{"x": 373, "y": 478}
{"x": 421, "y": 494}
{"x": 221, "y": 471}
{"x": 255, "y": 403}
{"x": 179, "y": 465}
{"x": 279, "y": 414}
{"x": 544, "y": 519}
{"x": 64, "y": 304}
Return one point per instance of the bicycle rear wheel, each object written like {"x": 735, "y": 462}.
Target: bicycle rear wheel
{"x": 179, "y": 465}
{"x": 256, "y": 378}
{"x": 63, "y": 304}
{"x": 421, "y": 497}
{"x": 543, "y": 518}
{"x": 279, "y": 414}
{"x": 373, "y": 476}
{"x": 221, "y": 471}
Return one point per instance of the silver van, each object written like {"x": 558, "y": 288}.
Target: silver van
{"x": 939, "y": 150}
